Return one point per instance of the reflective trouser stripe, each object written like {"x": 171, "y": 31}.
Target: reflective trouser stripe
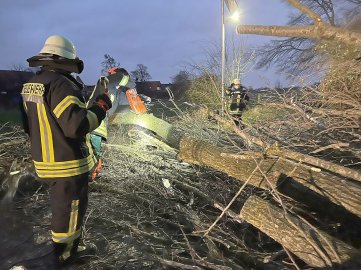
{"x": 73, "y": 222}
{"x": 68, "y": 239}
{"x": 69, "y": 200}
{"x": 65, "y": 238}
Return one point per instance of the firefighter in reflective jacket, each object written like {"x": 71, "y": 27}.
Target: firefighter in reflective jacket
{"x": 100, "y": 134}
{"x": 59, "y": 125}
{"x": 237, "y": 100}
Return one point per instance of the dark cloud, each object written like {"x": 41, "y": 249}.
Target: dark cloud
{"x": 160, "y": 34}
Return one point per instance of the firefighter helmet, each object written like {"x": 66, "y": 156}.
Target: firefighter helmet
{"x": 60, "y": 46}
{"x": 58, "y": 52}
{"x": 236, "y": 81}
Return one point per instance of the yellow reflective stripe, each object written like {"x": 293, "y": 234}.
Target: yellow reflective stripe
{"x": 65, "y": 103}
{"x": 102, "y": 130}
{"x": 41, "y": 131}
{"x": 49, "y": 135}
{"x": 46, "y": 137}
{"x": 73, "y": 220}
{"x": 65, "y": 238}
{"x": 62, "y": 165}
{"x": 25, "y": 107}
{"x": 91, "y": 152}
{"x": 124, "y": 81}
{"x": 93, "y": 120}
{"x": 65, "y": 173}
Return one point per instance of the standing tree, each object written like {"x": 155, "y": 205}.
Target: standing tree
{"x": 318, "y": 30}
{"x": 181, "y": 83}
{"x": 108, "y": 63}
{"x": 140, "y": 74}
{"x": 21, "y": 67}
{"x": 297, "y": 54}
{"x": 333, "y": 108}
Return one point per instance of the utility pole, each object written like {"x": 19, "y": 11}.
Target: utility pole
{"x": 233, "y": 9}
{"x": 223, "y": 57}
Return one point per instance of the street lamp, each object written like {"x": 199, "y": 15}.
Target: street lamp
{"x": 232, "y": 6}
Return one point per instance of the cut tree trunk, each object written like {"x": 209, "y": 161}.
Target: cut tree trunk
{"x": 272, "y": 172}
{"x": 316, "y": 248}
{"x": 344, "y": 171}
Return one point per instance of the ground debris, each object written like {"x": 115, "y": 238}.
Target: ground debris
{"x": 149, "y": 210}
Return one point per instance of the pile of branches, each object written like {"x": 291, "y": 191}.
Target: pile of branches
{"x": 322, "y": 121}
{"x": 150, "y": 210}
{"x": 147, "y": 210}
{"x": 157, "y": 212}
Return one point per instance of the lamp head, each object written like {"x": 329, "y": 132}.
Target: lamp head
{"x": 236, "y": 16}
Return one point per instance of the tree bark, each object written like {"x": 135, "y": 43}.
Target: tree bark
{"x": 316, "y": 248}
{"x": 344, "y": 171}
{"x": 316, "y": 32}
{"x": 305, "y": 10}
{"x": 245, "y": 136}
{"x": 336, "y": 189}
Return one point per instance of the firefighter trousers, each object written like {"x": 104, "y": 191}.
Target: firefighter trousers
{"x": 68, "y": 200}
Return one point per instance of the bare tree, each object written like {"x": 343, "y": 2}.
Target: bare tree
{"x": 21, "y": 67}
{"x": 317, "y": 22}
{"x": 350, "y": 8}
{"x": 181, "y": 83}
{"x": 107, "y": 63}
{"x": 141, "y": 74}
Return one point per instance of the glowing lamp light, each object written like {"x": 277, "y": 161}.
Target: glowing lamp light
{"x": 236, "y": 16}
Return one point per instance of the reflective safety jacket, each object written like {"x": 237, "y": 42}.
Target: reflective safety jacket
{"x": 59, "y": 125}
{"x": 237, "y": 100}
{"x": 114, "y": 93}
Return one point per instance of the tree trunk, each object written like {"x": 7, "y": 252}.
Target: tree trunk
{"x": 344, "y": 171}
{"x": 316, "y": 32}
{"x": 316, "y": 248}
{"x": 272, "y": 172}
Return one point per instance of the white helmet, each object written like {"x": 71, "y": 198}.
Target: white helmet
{"x": 236, "y": 81}
{"x": 60, "y": 46}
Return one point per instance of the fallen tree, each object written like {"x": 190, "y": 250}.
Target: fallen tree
{"x": 315, "y": 247}
{"x": 337, "y": 189}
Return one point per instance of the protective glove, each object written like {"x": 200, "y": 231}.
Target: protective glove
{"x": 103, "y": 101}
{"x": 103, "y": 85}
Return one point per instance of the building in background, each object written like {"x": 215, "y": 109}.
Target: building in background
{"x": 153, "y": 89}
{"x": 11, "y": 83}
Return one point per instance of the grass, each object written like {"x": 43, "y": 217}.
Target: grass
{"x": 261, "y": 113}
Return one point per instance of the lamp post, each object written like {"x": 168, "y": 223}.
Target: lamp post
{"x": 223, "y": 56}
{"x": 233, "y": 9}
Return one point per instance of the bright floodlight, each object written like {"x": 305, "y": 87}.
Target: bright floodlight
{"x": 236, "y": 16}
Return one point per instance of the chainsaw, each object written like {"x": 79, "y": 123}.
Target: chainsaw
{"x": 122, "y": 91}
